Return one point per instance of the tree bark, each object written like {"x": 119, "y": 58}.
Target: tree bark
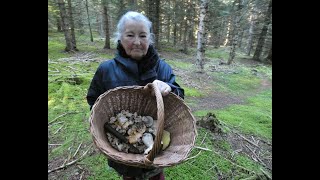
{"x": 65, "y": 26}
{"x": 106, "y": 24}
{"x": 252, "y": 19}
{"x": 269, "y": 57}
{"x": 73, "y": 36}
{"x": 201, "y": 32}
{"x": 263, "y": 33}
{"x": 236, "y": 33}
{"x": 87, "y": 8}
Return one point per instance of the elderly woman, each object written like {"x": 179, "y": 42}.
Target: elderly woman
{"x": 136, "y": 63}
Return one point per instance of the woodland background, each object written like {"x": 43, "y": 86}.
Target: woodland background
{"x": 221, "y": 53}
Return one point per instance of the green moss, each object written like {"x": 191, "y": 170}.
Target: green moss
{"x": 255, "y": 117}
{"x": 192, "y": 92}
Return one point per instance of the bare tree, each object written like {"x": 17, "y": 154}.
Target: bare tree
{"x": 201, "y": 32}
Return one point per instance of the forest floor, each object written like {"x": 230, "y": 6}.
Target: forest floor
{"x": 254, "y": 146}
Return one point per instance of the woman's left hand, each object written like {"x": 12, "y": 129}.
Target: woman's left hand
{"x": 164, "y": 88}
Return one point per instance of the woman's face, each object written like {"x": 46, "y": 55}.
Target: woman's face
{"x": 135, "y": 39}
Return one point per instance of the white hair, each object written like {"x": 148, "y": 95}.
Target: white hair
{"x": 135, "y": 16}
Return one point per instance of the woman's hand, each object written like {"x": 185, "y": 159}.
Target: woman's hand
{"x": 164, "y": 88}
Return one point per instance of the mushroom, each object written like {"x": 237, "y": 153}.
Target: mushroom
{"x": 148, "y": 121}
{"x": 136, "y": 132}
{"x": 147, "y": 139}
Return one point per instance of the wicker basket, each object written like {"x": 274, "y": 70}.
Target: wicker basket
{"x": 172, "y": 114}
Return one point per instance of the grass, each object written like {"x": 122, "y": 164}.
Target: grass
{"x": 70, "y": 130}
{"x": 254, "y": 117}
{"x": 179, "y": 64}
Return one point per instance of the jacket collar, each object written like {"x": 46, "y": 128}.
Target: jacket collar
{"x": 131, "y": 66}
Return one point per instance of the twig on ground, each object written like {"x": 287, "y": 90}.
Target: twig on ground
{"x": 199, "y": 148}
{"x": 77, "y": 150}
{"x": 266, "y": 173}
{"x": 54, "y": 144}
{"x": 203, "y": 138}
{"x": 247, "y": 140}
{"x": 257, "y": 157}
{"x": 81, "y": 175}
{"x": 194, "y": 156}
{"x": 241, "y": 167}
{"x": 58, "y": 129}
{"x": 61, "y": 116}
{"x": 70, "y": 163}
{"x": 265, "y": 142}
{"x": 205, "y": 149}
{"x": 235, "y": 152}
{"x": 56, "y": 123}
{"x": 57, "y": 70}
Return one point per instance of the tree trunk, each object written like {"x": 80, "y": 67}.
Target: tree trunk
{"x": 186, "y": 28}
{"x": 73, "y": 36}
{"x": 192, "y": 17}
{"x": 59, "y": 24}
{"x": 226, "y": 42}
{"x": 65, "y": 26}
{"x": 252, "y": 19}
{"x": 269, "y": 57}
{"x": 175, "y": 23}
{"x": 201, "y": 32}
{"x": 168, "y": 28}
{"x": 106, "y": 24}
{"x": 87, "y": 8}
{"x": 133, "y": 5}
{"x": 263, "y": 33}
{"x": 121, "y": 9}
{"x": 236, "y": 33}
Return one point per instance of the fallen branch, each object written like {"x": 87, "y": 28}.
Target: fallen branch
{"x": 70, "y": 163}
{"x": 247, "y": 140}
{"x": 256, "y": 155}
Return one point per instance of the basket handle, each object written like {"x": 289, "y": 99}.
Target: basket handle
{"x": 160, "y": 115}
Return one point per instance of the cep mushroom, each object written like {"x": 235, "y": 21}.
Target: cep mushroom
{"x": 136, "y": 132}
{"x": 147, "y": 139}
{"x": 148, "y": 121}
